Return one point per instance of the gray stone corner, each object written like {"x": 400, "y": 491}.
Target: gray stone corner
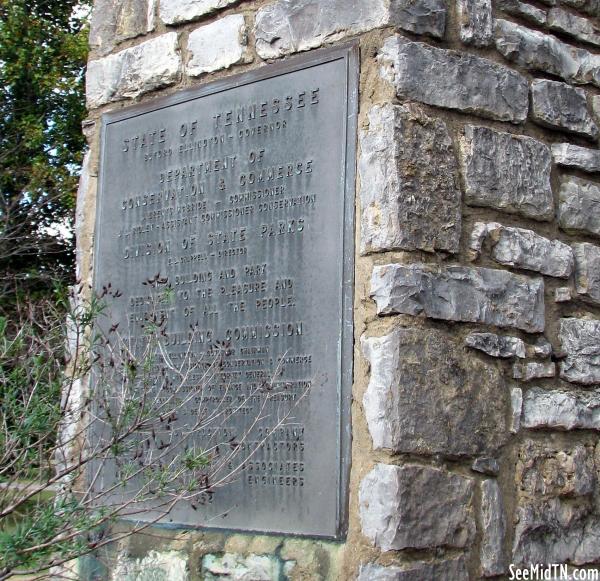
{"x": 460, "y": 293}
{"x": 428, "y": 395}
{"x": 409, "y": 189}
{"x": 173, "y": 12}
{"x": 395, "y": 514}
{"x": 218, "y": 45}
{"x": 507, "y": 172}
{"x": 151, "y": 65}
{"x": 580, "y": 341}
{"x": 454, "y": 80}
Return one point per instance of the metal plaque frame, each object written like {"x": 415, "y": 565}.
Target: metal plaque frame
{"x": 346, "y": 56}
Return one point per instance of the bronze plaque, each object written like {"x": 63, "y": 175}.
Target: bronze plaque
{"x": 238, "y": 197}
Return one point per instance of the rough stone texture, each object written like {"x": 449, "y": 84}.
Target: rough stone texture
{"x": 541, "y": 348}
{"x": 475, "y": 21}
{"x": 561, "y": 410}
{"x": 395, "y": 514}
{"x": 560, "y": 106}
{"x": 573, "y": 25}
{"x": 523, "y": 249}
{"x": 454, "y": 80}
{"x": 596, "y": 107}
{"x": 507, "y": 172}
{"x": 177, "y": 11}
{"x": 241, "y": 567}
{"x": 217, "y": 45}
{"x": 156, "y": 566}
{"x": 533, "y": 370}
{"x": 409, "y": 182}
{"x": 450, "y": 570}
{"x": 575, "y": 156}
{"x": 563, "y": 294}
{"x": 580, "y": 340}
{"x": 545, "y": 470}
{"x": 296, "y": 25}
{"x": 493, "y": 526}
{"x": 289, "y": 25}
{"x": 556, "y": 518}
{"x": 516, "y": 405}
{"x": 428, "y": 395}
{"x": 591, "y": 7}
{"x": 116, "y": 20}
{"x": 527, "y": 11}
{"x": 459, "y": 293}
{"x": 587, "y": 272}
{"x": 543, "y": 52}
{"x": 420, "y": 16}
{"x": 579, "y": 202}
{"x": 131, "y": 72}
{"x": 305, "y": 559}
{"x": 488, "y": 466}
{"x": 84, "y": 192}
{"x": 496, "y": 345}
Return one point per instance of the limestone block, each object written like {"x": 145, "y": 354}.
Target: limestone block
{"x": 580, "y": 340}
{"x": 237, "y": 567}
{"x": 524, "y": 249}
{"x": 217, "y": 45}
{"x": 178, "y": 11}
{"x": 587, "y": 272}
{"x": 575, "y": 156}
{"x": 113, "y": 21}
{"x": 547, "y": 470}
{"x": 543, "y": 52}
{"x": 527, "y": 11}
{"x": 516, "y": 406}
{"x": 563, "y": 294}
{"x": 591, "y": 7}
{"x": 596, "y": 106}
{"x": 541, "y": 348}
{"x": 533, "y": 370}
{"x": 488, "y": 466}
{"x": 556, "y": 520}
{"x": 409, "y": 182}
{"x": 420, "y": 16}
{"x": 454, "y": 80}
{"x": 459, "y": 293}
{"x": 493, "y": 527}
{"x": 475, "y": 21}
{"x": 287, "y": 26}
{"x": 428, "y": 395}
{"x": 577, "y": 26}
{"x": 450, "y": 570}
{"x": 496, "y": 345}
{"x": 579, "y": 201}
{"x": 507, "y": 172}
{"x": 131, "y": 72}
{"x": 170, "y": 565}
{"x": 561, "y": 410}
{"x": 560, "y": 106}
{"x": 395, "y": 514}
{"x": 84, "y": 222}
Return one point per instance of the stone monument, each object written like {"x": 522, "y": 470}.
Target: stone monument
{"x": 390, "y": 209}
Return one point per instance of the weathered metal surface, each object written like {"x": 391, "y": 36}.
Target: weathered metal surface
{"x": 240, "y": 195}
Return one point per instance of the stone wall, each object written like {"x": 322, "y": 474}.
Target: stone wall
{"x": 477, "y": 287}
